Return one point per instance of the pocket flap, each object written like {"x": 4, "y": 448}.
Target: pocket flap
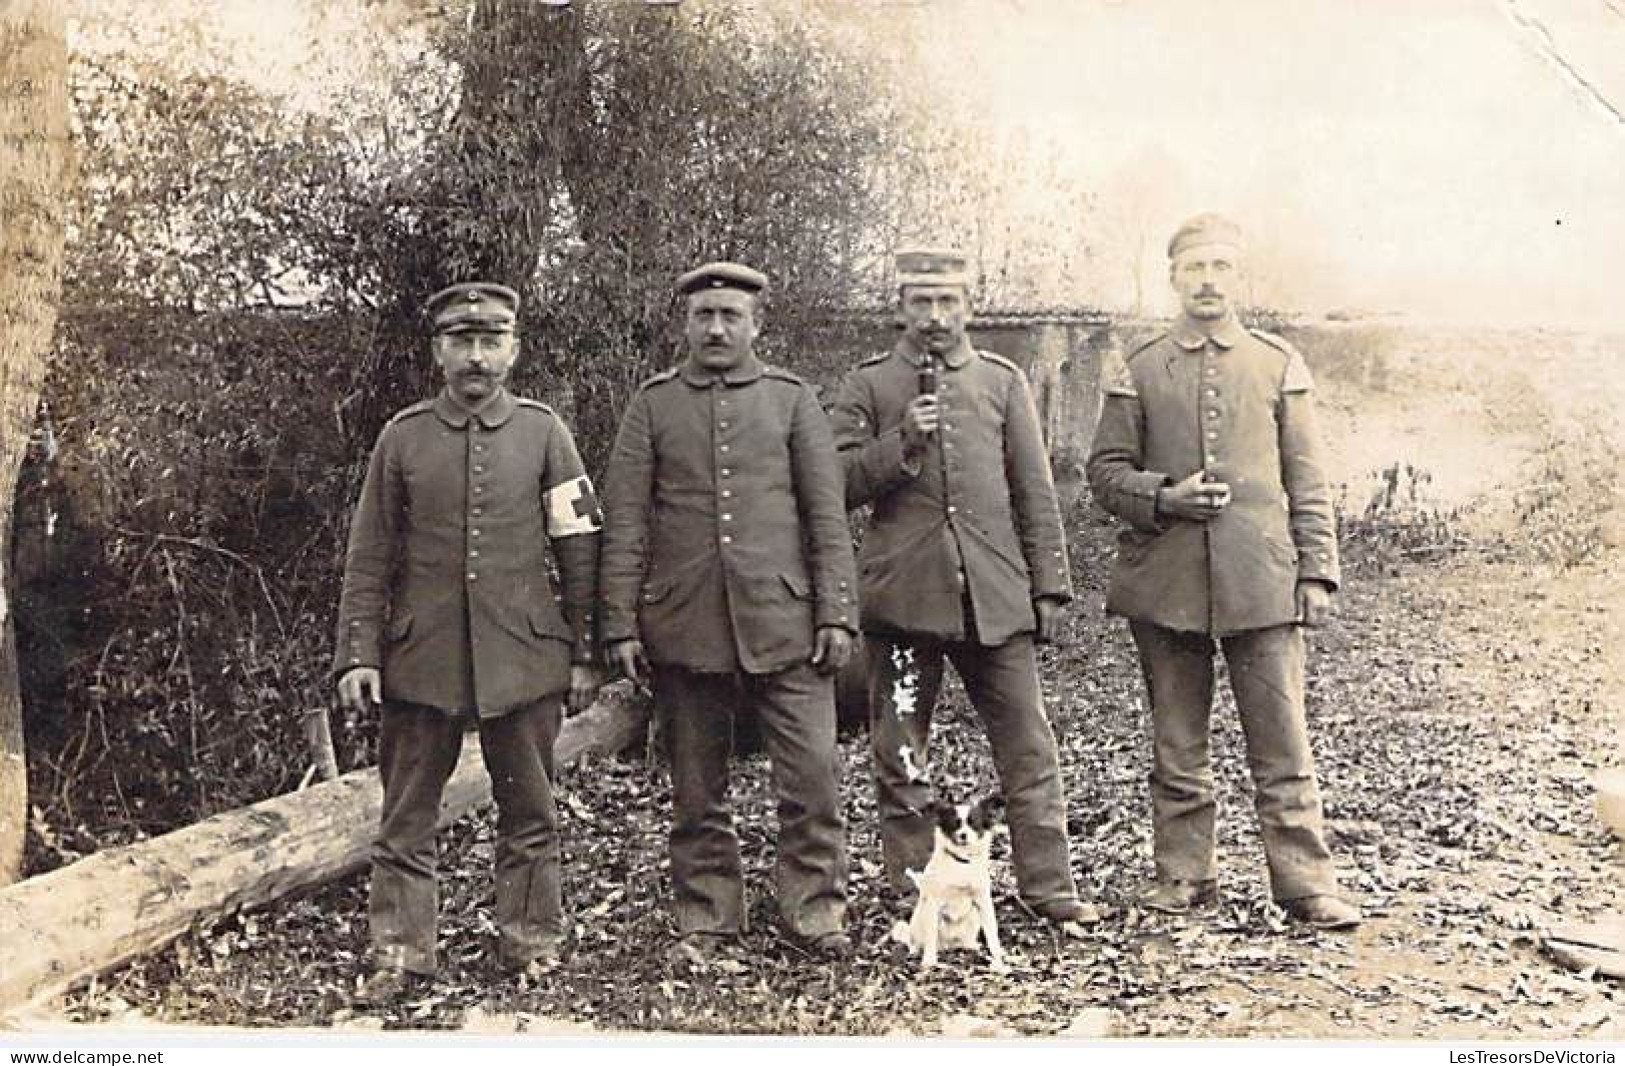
{"x": 399, "y": 627}
{"x": 798, "y": 586}
{"x": 656, "y": 591}
{"x": 545, "y": 623}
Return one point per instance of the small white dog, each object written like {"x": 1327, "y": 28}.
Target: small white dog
{"x": 956, "y": 886}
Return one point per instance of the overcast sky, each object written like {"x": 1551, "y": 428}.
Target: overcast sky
{"x": 1451, "y": 159}
{"x": 1440, "y": 157}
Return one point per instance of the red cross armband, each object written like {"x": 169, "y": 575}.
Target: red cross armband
{"x": 572, "y": 508}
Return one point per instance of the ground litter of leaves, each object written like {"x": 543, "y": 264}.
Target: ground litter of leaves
{"x": 1457, "y": 710}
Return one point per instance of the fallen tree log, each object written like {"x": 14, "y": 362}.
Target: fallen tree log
{"x": 88, "y": 917}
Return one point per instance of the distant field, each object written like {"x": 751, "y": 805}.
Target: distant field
{"x": 1501, "y": 421}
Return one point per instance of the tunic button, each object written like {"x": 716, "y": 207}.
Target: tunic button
{"x": 478, "y": 491}
{"x": 479, "y": 469}
{"x": 723, "y": 424}
{"x": 953, "y": 510}
{"x": 354, "y": 659}
{"x": 474, "y": 554}
{"x": 1212, "y": 434}
{"x": 479, "y": 447}
{"x": 473, "y": 532}
{"x": 727, "y": 540}
{"x": 727, "y": 518}
{"x": 1212, "y": 413}
{"x": 726, "y": 493}
{"x": 355, "y": 625}
{"x": 1213, "y": 392}
{"x": 726, "y": 472}
{"x": 724, "y": 447}
{"x": 472, "y": 575}
{"x": 476, "y": 512}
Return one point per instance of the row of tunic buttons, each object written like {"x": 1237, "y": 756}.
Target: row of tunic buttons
{"x": 723, "y": 471}
{"x": 947, "y": 445}
{"x": 475, "y": 511}
{"x": 1212, "y": 458}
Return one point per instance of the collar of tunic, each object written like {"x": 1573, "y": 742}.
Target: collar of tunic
{"x": 955, "y": 357}
{"x": 748, "y": 370}
{"x": 1191, "y": 335}
{"x": 496, "y": 412}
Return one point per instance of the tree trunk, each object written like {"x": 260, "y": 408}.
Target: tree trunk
{"x": 117, "y": 904}
{"x": 34, "y": 171}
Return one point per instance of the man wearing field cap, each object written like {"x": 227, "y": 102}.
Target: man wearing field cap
{"x": 449, "y": 616}
{"x": 727, "y": 581}
{"x": 1207, "y": 447}
{"x": 964, "y": 560}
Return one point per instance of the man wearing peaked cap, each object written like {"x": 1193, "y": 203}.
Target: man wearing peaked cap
{"x": 727, "y": 582}
{"x": 964, "y": 560}
{"x": 449, "y": 613}
{"x": 1207, "y": 448}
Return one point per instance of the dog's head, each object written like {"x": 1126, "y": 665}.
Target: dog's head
{"x": 966, "y": 826}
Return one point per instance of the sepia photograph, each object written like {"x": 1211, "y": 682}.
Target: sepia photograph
{"x": 1097, "y": 523}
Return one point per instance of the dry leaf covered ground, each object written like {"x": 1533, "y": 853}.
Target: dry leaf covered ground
{"x": 1457, "y": 708}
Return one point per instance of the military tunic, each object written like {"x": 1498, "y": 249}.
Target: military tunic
{"x": 726, "y": 540}
{"x": 978, "y": 521}
{"x": 448, "y": 580}
{"x": 1239, "y": 409}
{"x": 956, "y": 550}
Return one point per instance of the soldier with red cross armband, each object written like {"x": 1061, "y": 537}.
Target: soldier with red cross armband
{"x": 451, "y": 614}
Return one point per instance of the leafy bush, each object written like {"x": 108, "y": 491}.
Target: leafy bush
{"x": 1398, "y": 519}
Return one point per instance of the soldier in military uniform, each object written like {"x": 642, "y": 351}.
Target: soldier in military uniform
{"x": 449, "y": 614}
{"x": 727, "y": 578}
{"x": 1207, "y": 448}
{"x": 964, "y": 560}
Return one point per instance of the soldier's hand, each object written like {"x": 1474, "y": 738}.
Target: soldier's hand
{"x": 832, "y": 647}
{"x": 627, "y": 655}
{"x": 1048, "y": 609}
{"x": 585, "y": 681}
{"x": 1314, "y": 604}
{"x": 1193, "y": 499}
{"x": 920, "y": 420}
{"x": 361, "y": 686}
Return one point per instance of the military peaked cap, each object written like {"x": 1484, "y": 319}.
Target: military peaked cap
{"x": 721, "y": 276}
{"x": 473, "y": 307}
{"x": 932, "y": 266}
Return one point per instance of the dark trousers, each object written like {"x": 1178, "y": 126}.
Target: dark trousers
{"x": 796, "y": 708}
{"x": 417, "y": 751}
{"x": 1266, "y": 675}
{"x": 905, "y": 678}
